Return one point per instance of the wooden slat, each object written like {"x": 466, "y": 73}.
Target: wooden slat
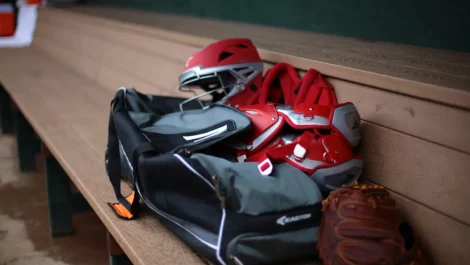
{"x": 69, "y": 141}
{"x": 422, "y": 171}
{"x": 419, "y": 81}
{"x": 412, "y": 115}
{"x": 404, "y": 51}
{"x": 163, "y": 73}
{"x": 106, "y": 77}
{"x": 409, "y": 115}
{"x": 436, "y": 232}
{"x": 68, "y": 102}
{"x": 71, "y": 115}
{"x": 411, "y": 188}
{"x": 151, "y": 44}
{"x": 146, "y": 241}
{"x": 405, "y": 114}
{"x": 83, "y": 64}
{"x": 102, "y": 75}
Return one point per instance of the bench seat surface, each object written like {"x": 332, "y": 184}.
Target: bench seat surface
{"x": 424, "y": 166}
{"x": 417, "y": 148}
{"x": 70, "y": 114}
{"x": 439, "y": 75}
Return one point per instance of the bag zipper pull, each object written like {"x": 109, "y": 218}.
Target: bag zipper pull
{"x": 218, "y": 190}
{"x": 185, "y": 152}
{"x": 236, "y": 261}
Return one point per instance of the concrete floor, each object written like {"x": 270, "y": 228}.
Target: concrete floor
{"x": 24, "y": 229}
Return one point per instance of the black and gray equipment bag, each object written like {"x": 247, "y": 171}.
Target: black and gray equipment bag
{"x": 225, "y": 211}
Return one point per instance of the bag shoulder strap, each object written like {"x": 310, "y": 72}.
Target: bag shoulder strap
{"x": 127, "y": 207}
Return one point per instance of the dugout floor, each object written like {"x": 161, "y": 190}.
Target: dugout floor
{"x": 24, "y": 228}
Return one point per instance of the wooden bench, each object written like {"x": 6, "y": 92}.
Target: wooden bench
{"x": 414, "y": 103}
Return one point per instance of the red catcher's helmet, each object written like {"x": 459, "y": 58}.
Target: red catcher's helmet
{"x": 230, "y": 71}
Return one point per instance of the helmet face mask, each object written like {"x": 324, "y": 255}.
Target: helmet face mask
{"x": 218, "y": 83}
{"x": 228, "y": 71}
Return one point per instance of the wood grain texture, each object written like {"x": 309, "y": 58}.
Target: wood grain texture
{"x": 372, "y": 66}
{"x": 151, "y": 44}
{"x": 145, "y": 241}
{"x": 71, "y": 115}
{"x": 400, "y": 162}
{"x": 102, "y": 76}
{"x": 433, "y": 122}
{"x": 113, "y": 247}
{"x": 144, "y": 58}
{"x": 134, "y": 65}
{"x": 410, "y": 115}
{"x": 422, "y": 171}
{"x": 435, "y": 232}
{"x": 106, "y": 77}
{"x": 77, "y": 137}
{"x": 300, "y": 37}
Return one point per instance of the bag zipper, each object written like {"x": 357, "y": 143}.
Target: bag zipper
{"x": 194, "y": 171}
{"x": 219, "y": 191}
{"x": 236, "y": 260}
{"x": 217, "y": 186}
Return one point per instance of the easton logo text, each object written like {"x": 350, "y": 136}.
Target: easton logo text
{"x": 290, "y": 219}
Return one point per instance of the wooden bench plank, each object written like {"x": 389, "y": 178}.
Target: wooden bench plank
{"x": 436, "y": 232}
{"x": 127, "y": 61}
{"x": 457, "y": 63}
{"x": 422, "y": 171}
{"x": 78, "y": 138}
{"x": 104, "y": 76}
{"x": 403, "y": 51}
{"x": 423, "y": 175}
{"x": 64, "y": 136}
{"x": 83, "y": 64}
{"x": 146, "y": 241}
{"x": 421, "y": 83}
{"x": 441, "y": 174}
{"x": 406, "y": 114}
{"x": 152, "y": 44}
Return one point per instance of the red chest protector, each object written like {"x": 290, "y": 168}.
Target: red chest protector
{"x": 316, "y": 139}
{"x": 298, "y": 121}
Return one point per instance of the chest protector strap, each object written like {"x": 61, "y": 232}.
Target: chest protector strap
{"x": 282, "y": 85}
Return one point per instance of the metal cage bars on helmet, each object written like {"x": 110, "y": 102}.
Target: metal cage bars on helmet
{"x": 242, "y": 73}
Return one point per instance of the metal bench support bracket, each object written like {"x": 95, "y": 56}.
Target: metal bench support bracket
{"x": 6, "y": 112}
{"x": 116, "y": 254}
{"x": 27, "y": 143}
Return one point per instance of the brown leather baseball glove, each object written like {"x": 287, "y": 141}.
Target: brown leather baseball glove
{"x": 362, "y": 226}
